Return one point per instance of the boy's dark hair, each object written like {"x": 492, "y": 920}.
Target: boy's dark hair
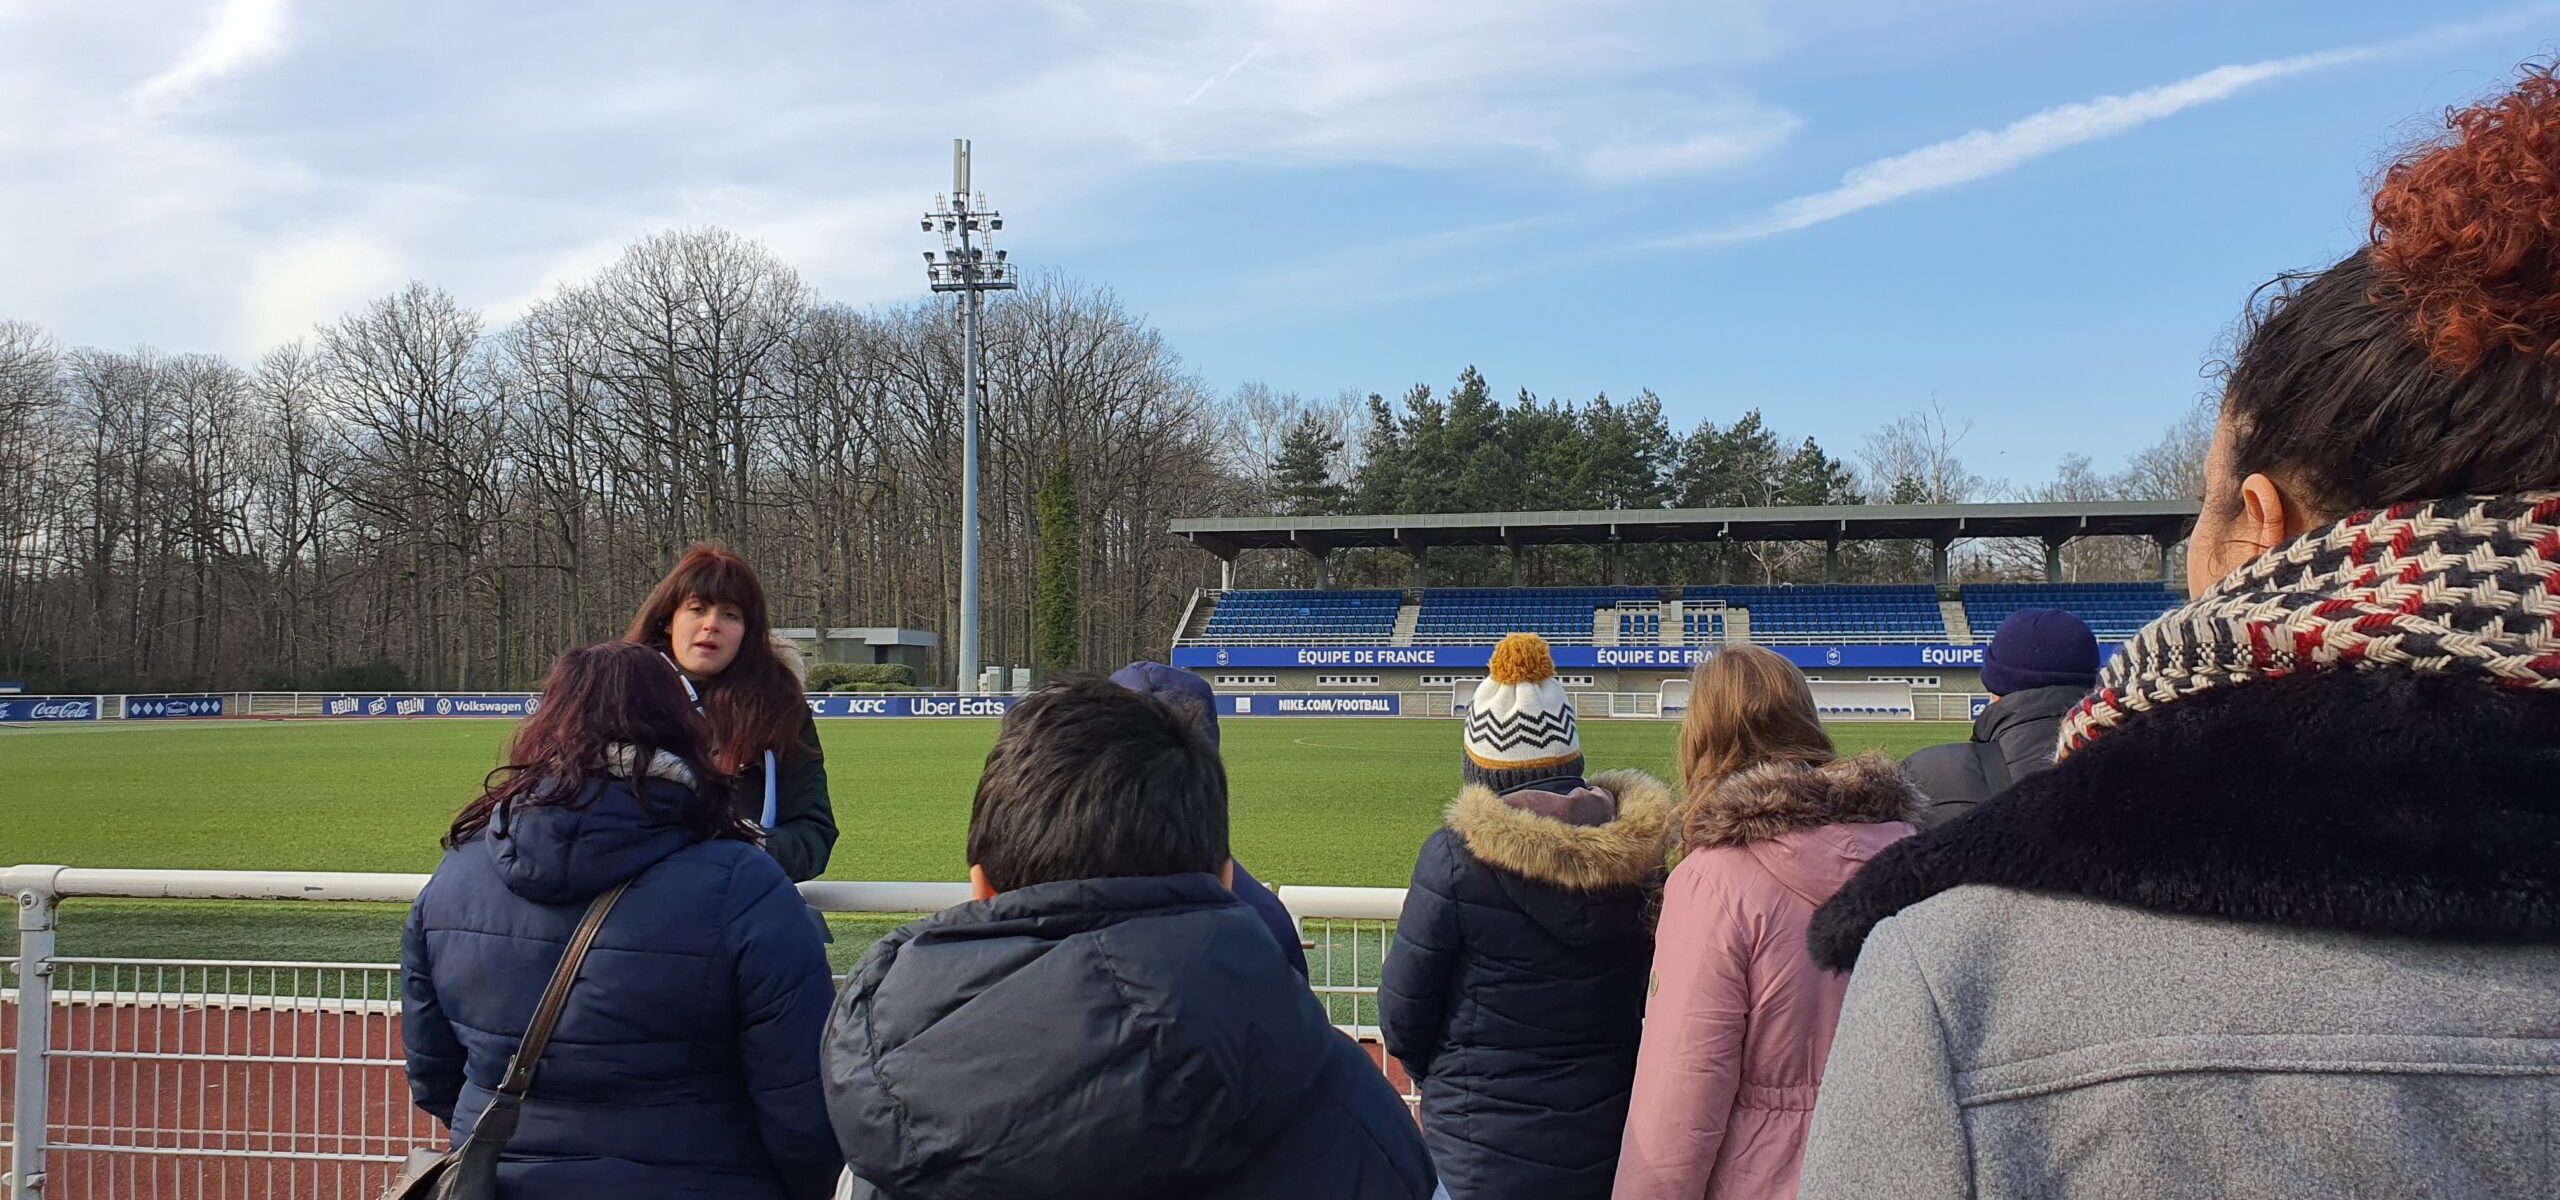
{"x": 1090, "y": 780}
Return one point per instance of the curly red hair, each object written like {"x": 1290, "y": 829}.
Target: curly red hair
{"x": 2466, "y": 230}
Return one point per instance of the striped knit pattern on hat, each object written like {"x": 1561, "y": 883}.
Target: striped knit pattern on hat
{"x": 2462, "y": 586}
{"x": 1520, "y": 727}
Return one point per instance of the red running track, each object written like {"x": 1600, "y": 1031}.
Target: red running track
{"x": 215, "y": 1102}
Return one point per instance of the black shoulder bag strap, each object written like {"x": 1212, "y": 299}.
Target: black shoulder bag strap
{"x": 475, "y": 1173}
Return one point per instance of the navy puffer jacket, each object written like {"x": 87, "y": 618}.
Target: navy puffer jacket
{"x": 1515, "y": 988}
{"x": 1130, "y": 1038}
{"x": 686, "y": 1063}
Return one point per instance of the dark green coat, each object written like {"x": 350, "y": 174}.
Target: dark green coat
{"x": 804, "y": 828}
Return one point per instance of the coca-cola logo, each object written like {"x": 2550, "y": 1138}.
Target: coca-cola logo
{"x": 60, "y": 710}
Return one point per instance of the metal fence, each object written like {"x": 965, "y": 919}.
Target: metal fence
{"x": 220, "y": 1078}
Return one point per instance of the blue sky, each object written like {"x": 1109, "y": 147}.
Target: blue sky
{"x": 2044, "y": 215}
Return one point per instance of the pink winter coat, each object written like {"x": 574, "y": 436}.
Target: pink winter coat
{"x": 1740, "y": 1020}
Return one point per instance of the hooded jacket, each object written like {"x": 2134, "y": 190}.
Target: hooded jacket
{"x": 1126, "y": 1037}
{"x": 1514, "y": 990}
{"x": 2020, "y": 728}
{"x": 1741, "y": 1018}
{"x": 685, "y": 1064}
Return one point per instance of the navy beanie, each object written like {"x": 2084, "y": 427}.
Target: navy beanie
{"x": 2040, "y": 647}
{"x": 1189, "y": 694}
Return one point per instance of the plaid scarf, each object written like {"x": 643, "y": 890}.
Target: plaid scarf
{"x": 2462, "y": 586}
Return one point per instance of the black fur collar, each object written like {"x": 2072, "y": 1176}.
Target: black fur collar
{"x": 2377, "y": 801}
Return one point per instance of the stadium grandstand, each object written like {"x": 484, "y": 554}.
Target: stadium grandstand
{"x": 1638, "y": 640}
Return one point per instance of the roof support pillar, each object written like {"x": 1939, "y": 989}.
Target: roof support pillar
{"x": 1831, "y": 562}
{"x": 1519, "y": 558}
{"x": 2053, "y": 559}
{"x": 1938, "y": 566}
{"x": 2168, "y": 571}
{"x": 1227, "y": 574}
{"x": 1321, "y": 551}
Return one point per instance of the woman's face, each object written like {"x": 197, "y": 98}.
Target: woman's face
{"x": 2208, "y": 553}
{"x": 704, "y": 636}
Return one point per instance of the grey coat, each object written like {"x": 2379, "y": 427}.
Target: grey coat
{"x": 1997, "y": 1043}
{"x": 2297, "y": 937}
{"x": 2020, "y": 729}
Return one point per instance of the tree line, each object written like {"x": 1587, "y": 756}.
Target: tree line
{"x": 413, "y": 496}
{"x": 1465, "y": 451}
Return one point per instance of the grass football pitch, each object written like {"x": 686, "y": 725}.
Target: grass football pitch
{"x": 1312, "y": 802}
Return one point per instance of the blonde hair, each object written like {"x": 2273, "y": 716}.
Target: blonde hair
{"x": 1747, "y": 706}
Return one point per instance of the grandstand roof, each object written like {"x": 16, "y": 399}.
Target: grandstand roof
{"x": 2165, "y": 520}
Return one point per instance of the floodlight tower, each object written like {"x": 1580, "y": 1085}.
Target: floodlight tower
{"x": 970, "y": 265}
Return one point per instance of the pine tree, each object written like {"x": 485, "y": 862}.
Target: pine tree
{"x": 1302, "y": 481}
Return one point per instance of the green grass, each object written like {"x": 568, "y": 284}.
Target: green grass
{"x": 1313, "y": 802}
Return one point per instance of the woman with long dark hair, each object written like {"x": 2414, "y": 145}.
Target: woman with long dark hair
{"x": 686, "y": 1060}
{"x": 2284, "y": 917}
{"x": 708, "y": 617}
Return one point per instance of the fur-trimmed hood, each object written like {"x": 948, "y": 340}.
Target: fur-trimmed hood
{"x": 1625, "y": 851}
{"x": 2383, "y": 802}
{"x": 1774, "y": 798}
{"x": 619, "y": 756}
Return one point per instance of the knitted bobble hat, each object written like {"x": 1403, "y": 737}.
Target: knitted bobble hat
{"x": 1520, "y": 726}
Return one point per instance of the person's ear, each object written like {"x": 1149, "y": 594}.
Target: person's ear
{"x": 979, "y": 888}
{"x": 2267, "y": 516}
{"x": 1227, "y": 874}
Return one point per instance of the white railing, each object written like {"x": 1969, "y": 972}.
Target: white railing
{"x": 191, "y": 1078}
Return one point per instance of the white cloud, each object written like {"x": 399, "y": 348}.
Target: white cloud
{"x": 1984, "y": 153}
{"x": 296, "y": 284}
{"x": 1987, "y": 152}
{"x": 479, "y": 146}
{"x": 1572, "y": 86}
{"x": 500, "y": 149}
{"x": 243, "y": 33}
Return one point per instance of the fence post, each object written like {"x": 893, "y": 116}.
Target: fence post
{"x": 33, "y": 889}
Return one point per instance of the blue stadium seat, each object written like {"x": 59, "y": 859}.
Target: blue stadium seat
{"x": 1284, "y": 615}
{"x": 2114, "y": 611}
{"x": 1834, "y": 612}
{"x": 1558, "y": 614}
